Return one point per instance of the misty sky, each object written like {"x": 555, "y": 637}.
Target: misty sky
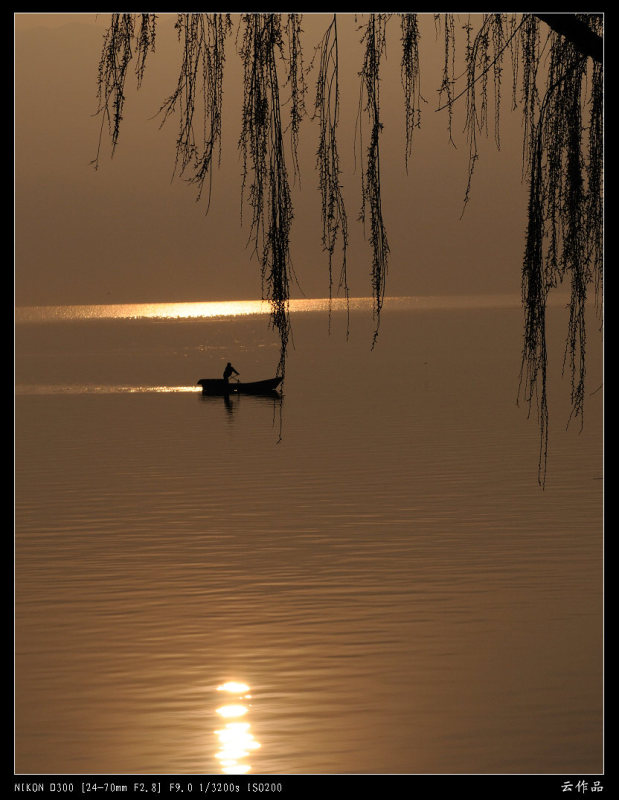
{"x": 130, "y": 233}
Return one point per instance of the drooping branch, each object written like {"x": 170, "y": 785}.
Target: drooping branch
{"x": 145, "y": 43}
{"x": 375, "y": 42}
{"x": 594, "y": 212}
{"x": 445, "y": 92}
{"x": 199, "y": 89}
{"x": 296, "y": 82}
{"x": 564, "y": 223}
{"x": 411, "y": 79}
{"x": 483, "y": 55}
{"x": 529, "y": 56}
{"x": 264, "y": 166}
{"x": 116, "y": 55}
{"x": 563, "y": 242}
{"x": 327, "y": 110}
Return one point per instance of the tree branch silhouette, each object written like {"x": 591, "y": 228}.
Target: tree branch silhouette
{"x": 558, "y": 85}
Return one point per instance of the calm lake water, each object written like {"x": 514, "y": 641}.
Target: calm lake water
{"x": 362, "y": 578}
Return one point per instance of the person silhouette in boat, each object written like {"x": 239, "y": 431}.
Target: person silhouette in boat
{"x": 228, "y": 371}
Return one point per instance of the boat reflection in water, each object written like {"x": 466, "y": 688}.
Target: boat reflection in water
{"x": 236, "y": 741}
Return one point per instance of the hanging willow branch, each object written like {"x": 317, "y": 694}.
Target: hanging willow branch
{"x": 445, "y": 92}
{"x": 594, "y": 212}
{"x": 369, "y": 100}
{"x": 116, "y": 55}
{"x": 563, "y": 242}
{"x": 199, "y": 89}
{"x": 327, "y": 109}
{"x": 264, "y": 166}
{"x": 565, "y": 219}
{"x": 483, "y": 55}
{"x": 411, "y": 79}
{"x": 296, "y": 82}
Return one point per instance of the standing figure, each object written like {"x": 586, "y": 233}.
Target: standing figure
{"x": 228, "y": 371}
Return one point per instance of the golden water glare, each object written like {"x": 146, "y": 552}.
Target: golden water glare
{"x": 235, "y": 739}
{"x": 197, "y": 310}
{"x": 236, "y": 308}
{"x": 86, "y": 388}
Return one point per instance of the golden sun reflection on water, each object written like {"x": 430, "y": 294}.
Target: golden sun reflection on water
{"x": 236, "y": 308}
{"x": 86, "y": 388}
{"x": 236, "y": 741}
{"x": 161, "y": 311}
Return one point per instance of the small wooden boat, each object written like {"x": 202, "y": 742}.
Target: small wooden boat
{"x": 222, "y": 387}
